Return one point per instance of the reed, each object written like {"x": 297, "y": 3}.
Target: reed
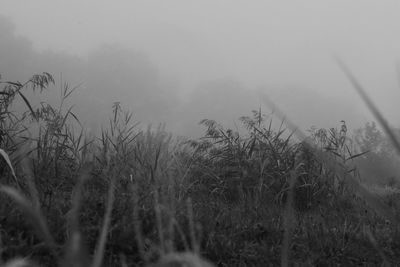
{"x": 137, "y": 196}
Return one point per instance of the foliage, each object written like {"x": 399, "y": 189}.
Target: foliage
{"x": 140, "y": 196}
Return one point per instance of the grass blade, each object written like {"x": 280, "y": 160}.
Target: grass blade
{"x": 8, "y": 161}
{"x": 98, "y": 257}
{"x": 28, "y": 105}
{"x": 76, "y": 253}
{"x": 288, "y": 221}
{"x": 374, "y": 110}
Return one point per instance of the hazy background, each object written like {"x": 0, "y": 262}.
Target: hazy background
{"x": 179, "y": 61}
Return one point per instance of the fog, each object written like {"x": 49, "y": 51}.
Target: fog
{"x": 182, "y": 61}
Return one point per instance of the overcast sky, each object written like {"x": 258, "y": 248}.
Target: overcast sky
{"x": 261, "y": 44}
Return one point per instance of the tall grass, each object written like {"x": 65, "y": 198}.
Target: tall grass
{"x": 138, "y": 196}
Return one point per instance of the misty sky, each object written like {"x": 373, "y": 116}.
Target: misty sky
{"x": 284, "y": 48}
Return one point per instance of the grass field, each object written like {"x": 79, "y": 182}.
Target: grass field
{"x": 142, "y": 197}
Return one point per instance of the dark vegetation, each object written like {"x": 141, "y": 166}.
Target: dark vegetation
{"x": 265, "y": 197}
